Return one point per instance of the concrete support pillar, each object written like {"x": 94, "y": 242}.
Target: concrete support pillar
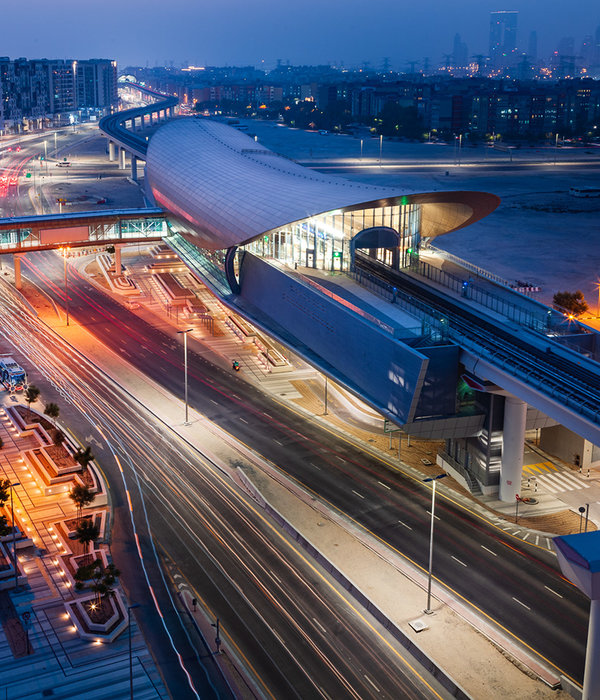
{"x": 17, "y": 265}
{"x": 112, "y": 154}
{"x": 118, "y": 259}
{"x": 141, "y": 126}
{"x": 513, "y": 441}
{"x": 122, "y": 158}
{"x": 134, "y": 161}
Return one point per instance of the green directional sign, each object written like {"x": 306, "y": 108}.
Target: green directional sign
{"x": 28, "y": 175}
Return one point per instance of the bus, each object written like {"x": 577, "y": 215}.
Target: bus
{"x": 12, "y": 375}
{"x": 585, "y": 191}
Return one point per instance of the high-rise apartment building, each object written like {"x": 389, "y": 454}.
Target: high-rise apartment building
{"x": 503, "y": 38}
{"x": 34, "y": 91}
{"x": 96, "y": 82}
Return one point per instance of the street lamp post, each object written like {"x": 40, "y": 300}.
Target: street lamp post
{"x": 185, "y": 371}
{"x": 46, "y": 154}
{"x": 361, "y": 149}
{"x": 380, "y": 147}
{"x": 14, "y": 531}
{"x": 433, "y": 480}
{"x": 129, "y": 609}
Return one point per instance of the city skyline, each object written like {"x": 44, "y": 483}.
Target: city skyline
{"x": 260, "y": 35}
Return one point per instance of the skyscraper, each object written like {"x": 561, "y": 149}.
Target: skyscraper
{"x": 503, "y": 38}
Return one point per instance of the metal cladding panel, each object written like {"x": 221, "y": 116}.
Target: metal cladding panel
{"x": 229, "y": 189}
{"x": 386, "y": 371}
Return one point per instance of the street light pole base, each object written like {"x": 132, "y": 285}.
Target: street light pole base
{"x": 428, "y": 612}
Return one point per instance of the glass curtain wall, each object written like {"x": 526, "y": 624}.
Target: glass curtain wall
{"x": 324, "y": 241}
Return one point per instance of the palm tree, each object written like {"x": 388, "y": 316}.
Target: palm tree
{"x": 87, "y": 532}
{"x": 4, "y": 491}
{"x": 32, "y": 394}
{"x": 84, "y": 457}
{"x": 81, "y": 496}
{"x": 52, "y": 410}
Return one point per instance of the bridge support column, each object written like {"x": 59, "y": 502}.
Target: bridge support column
{"x": 122, "y": 158}
{"x": 112, "y": 151}
{"x": 513, "y": 441}
{"x": 134, "y": 173}
{"x": 17, "y": 265}
{"x": 118, "y": 259}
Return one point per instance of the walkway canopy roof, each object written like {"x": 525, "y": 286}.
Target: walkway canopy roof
{"x": 228, "y": 189}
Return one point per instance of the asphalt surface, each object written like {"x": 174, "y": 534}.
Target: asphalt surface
{"x": 292, "y": 627}
{"x": 513, "y": 583}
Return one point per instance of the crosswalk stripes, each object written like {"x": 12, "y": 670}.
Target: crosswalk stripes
{"x": 558, "y": 482}
{"x": 539, "y": 468}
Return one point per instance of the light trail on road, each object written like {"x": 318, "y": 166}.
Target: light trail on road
{"x": 268, "y": 600}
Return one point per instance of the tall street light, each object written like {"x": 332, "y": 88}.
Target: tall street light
{"x": 434, "y": 480}
{"x": 46, "y": 154}
{"x": 185, "y": 370}
{"x": 380, "y": 147}
{"x": 64, "y": 252}
{"x": 14, "y": 530}
{"x": 129, "y": 609}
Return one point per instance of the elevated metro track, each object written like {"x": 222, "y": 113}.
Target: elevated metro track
{"x": 555, "y": 379}
{"x": 114, "y": 126}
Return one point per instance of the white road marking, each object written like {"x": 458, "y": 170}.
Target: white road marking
{"x": 462, "y": 563}
{"x": 385, "y": 486}
{"x": 279, "y": 638}
{"x": 277, "y": 441}
{"x": 519, "y": 602}
{"x": 408, "y": 527}
{"x": 358, "y": 494}
{"x": 215, "y": 402}
{"x": 526, "y": 536}
{"x": 276, "y": 577}
{"x": 244, "y": 420}
{"x": 371, "y": 682}
{"x": 312, "y": 464}
{"x": 537, "y": 539}
{"x": 266, "y": 414}
{"x": 429, "y": 513}
{"x": 488, "y": 550}
{"x": 555, "y": 593}
{"x": 319, "y": 625}
{"x": 340, "y": 458}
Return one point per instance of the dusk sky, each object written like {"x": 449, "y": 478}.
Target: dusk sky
{"x": 240, "y": 32}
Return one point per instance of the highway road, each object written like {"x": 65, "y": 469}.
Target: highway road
{"x": 293, "y": 627}
{"x": 505, "y": 579}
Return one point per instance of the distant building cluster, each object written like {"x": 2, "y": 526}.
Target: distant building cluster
{"x": 570, "y": 58}
{"x": 37, "y": 93}
{"x": 442, "y": 105}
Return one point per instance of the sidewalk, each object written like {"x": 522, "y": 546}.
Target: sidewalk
{"x": 41, "y": 653}
{"x": 482, "y": 669}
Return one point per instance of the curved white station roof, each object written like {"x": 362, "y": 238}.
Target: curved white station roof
{"x": 229, "y": 189}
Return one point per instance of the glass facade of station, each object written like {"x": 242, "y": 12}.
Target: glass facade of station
{"x": 323, "y": 241}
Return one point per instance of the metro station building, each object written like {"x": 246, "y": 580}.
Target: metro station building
{"x": 272, "y": 239}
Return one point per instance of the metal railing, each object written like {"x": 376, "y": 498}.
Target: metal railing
{"x": 431, "y": 327}
{"x": 469, "y": 290}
